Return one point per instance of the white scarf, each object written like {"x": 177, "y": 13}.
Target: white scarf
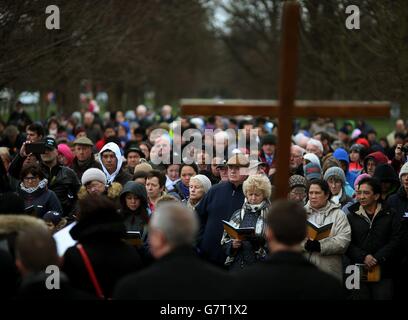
{"x": 41, "y": 185}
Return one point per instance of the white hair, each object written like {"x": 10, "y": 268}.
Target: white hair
{"x": 178, "y": 224}
{"x": 316, "y": 143}
{"x": 299, "y": 149}
{"x": 141, "y": 108}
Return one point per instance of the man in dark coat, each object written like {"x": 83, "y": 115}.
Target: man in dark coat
{"x": 286, "y": 275}
{"x": 100, "y": 231}
{"x": 178, "y": 274}
{"x": 84, "y": 158}
{"x": 221, "y": 201}
{"x": 375, "y": 237}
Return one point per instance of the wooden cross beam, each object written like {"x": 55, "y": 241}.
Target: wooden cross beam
{"x": 270, "y": 108}
{"x": 287, "y": 108}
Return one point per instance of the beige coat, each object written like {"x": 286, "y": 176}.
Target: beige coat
{"x": 329, "y": 259}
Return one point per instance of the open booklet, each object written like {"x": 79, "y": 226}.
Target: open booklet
{"x": 134, "y": 238}
{"x": 315, "y": 232}
{"x": 238, "y": 233}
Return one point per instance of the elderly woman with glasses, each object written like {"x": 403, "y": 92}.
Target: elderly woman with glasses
{"x": 94, "y": 182}
{"x": 34, "y": 190}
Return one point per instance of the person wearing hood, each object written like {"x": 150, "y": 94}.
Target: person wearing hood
{"x": 336, "y": 179}
{"x": 136, "y": 214}
{"x": 342, "y": 155}
{"x": 388, "y": 179}
{"x": 99, "y": 232}
{"x": 111, "y": 159}
{"x": 38, "y": 199}
{"x": 372, "y": 160}
{"x": 326, "y": 253}
{"x": 135, "y": 207}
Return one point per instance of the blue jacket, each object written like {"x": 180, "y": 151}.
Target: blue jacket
{"x": 220, "y": 202}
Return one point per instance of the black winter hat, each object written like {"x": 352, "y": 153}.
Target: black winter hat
{"x": 386, "y": 173}
{"x": 268, "y": 139}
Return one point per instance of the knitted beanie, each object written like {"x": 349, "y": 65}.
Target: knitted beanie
{"x": 93, "y": 174}
{"x": 297, "y": 181}
{"x": 203, "y": 180}
{"x": 404, "y": 170}
{"x": 335, "y": 172}
{"x": 312, "y": 171}
{"x": 312, "y": 158}
{"x": 359, "y": 178}
{"x": 65, "y": 150}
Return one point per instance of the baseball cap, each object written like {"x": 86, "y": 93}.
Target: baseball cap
{"x": 50, "y": 143}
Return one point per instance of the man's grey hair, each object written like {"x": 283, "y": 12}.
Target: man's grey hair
{"x": 178, "y": 224}
{"x": 299, "y": 149}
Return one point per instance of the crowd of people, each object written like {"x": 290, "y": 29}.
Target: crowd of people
{"x": 100, "y": 177}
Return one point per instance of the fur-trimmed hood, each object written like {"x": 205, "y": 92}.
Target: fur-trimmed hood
{"x": 10, "y": 223}
{"x": 113, "y": 191}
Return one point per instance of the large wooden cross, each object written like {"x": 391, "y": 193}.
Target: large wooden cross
{"x": 286, "y": 108}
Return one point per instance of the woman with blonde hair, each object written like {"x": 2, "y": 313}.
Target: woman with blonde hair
{"x": 241, "y": 253}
